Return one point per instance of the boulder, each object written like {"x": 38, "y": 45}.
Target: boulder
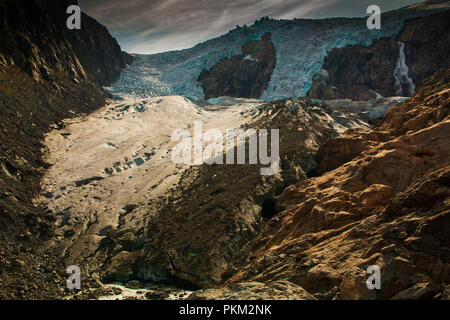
{"x": 244, "y": 76}
{"x": 278, "y": 290}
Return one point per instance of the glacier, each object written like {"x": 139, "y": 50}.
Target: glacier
{"x": 301, "y": 47}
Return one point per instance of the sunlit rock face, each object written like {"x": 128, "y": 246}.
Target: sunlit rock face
{"x": 301, "y": 47}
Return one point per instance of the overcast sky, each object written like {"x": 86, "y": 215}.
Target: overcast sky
{"x": 150, "y": 26}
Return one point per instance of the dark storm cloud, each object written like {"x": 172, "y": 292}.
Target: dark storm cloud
{"x": 148, "y": 26}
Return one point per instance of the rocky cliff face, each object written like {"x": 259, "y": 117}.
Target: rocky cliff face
{"x": 245, "y": 76}
{"x": 385, "y": 202}
{"x": 47, "y": 73}
{"x": 36, "y": 40}
{"x": 427, "y": 44}
{"x": 301, "y": 47}
{"x": 104, "y": 60}
{"x": 360, "y": 73}
{"x": 355, "y": 72}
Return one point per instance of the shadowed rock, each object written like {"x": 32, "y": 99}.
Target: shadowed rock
{"x": 244, "y": 76}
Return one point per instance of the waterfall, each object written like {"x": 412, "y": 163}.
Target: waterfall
{"x": 404, "y": 86}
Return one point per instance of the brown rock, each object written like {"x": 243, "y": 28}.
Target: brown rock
{"x": 446, "y": 293}
{"x": 133, "y": 284}
{"x": 419, "y": 291}
{"x": 376, "y": 195}
{"x": 157, "y": 295}
{"x": 242, "y": 76}
{"x": 386, "y": 206}
{"x": 355, "y": 72}
{"x": 121, "y": 266}
{"x": 128, "y": 241}
{"x": 334, "y": 153}
{"x": 47, "y": 74}
{"x": 426, "y": 45}
{"x": 353, "y": 286}
{"x": 278, "y": 290}
{"x": 201, "y": 241}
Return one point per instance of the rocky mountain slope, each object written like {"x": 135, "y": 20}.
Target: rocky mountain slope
{"x": 301, "y": 47}
{"x": 388, "y": 67}
{"x": 384, "y": 201}
{"x": 46, "y": 75}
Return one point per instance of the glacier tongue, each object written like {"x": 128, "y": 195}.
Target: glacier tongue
{"x": 301, "y": 47}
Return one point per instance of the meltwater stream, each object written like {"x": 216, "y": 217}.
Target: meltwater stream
{"x": 404, "y": 85}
